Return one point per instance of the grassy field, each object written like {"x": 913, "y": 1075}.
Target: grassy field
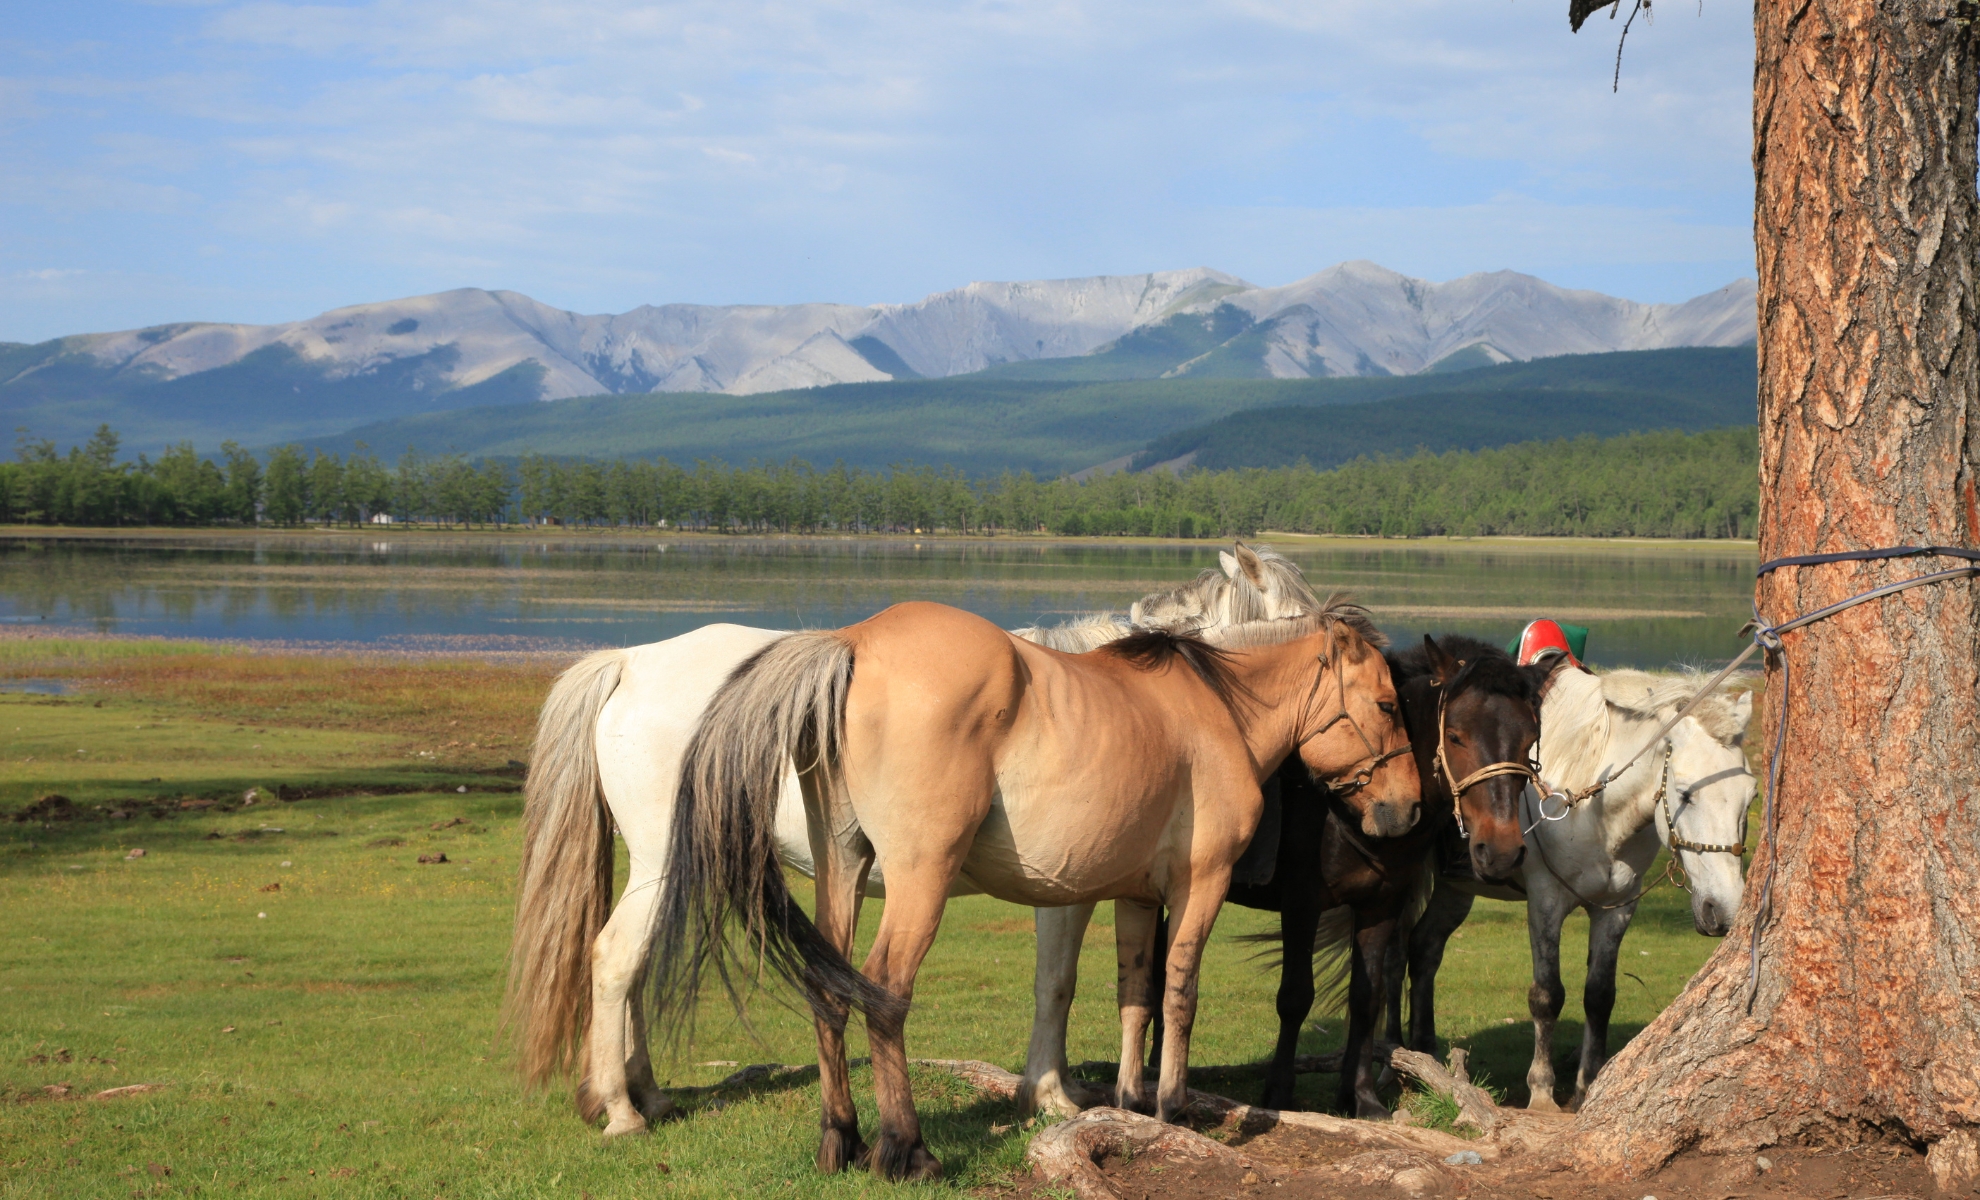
{"x": 319, "y": 1007}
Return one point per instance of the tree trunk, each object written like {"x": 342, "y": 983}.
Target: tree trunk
{"x": 1866, "y": 1023}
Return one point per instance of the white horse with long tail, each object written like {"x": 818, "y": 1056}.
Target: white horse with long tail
{"x": 1688, "y": 791}
{"x": 608, "y": 752}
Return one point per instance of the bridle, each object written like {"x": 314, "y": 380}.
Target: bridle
{"x": 1673, "y": 870}
{"x": 1678, "y": 841}
{"x": 1354, "y": 780}
{"x": 1459, "y": 787}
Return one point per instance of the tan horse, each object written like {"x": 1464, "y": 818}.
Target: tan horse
{"x": 607, "y": 755}
{"x": 955, "y": 750}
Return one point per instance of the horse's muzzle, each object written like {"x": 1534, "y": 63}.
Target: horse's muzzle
{"x": 1492, "y": 862}
{"x": 1709, "y": 918}
{"x": 1386, "y": 818}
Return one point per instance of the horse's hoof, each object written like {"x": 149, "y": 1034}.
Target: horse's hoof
{"x": 1134, "y": 1103}
{"x": 625, "y": 1126}
{"x": 1370, "y": 1110}
{"x": 1278, "y": 1099}
{"x": 1542, "y": 1102}
{"x": 904, "y": 1162}
{"x": 840, "y": 1149}
{"x": 1053, "y": 1101}
{"x": 655, "y": 1106}
{"x": 1574, "y": 1102}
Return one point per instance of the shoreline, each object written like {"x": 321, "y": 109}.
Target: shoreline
{"x": 622, "y": 535}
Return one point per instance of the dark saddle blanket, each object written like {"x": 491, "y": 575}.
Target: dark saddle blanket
{"x": 1255, "y": 866}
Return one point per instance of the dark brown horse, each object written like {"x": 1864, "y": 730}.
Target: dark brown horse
{"x": 1482, "y": 709}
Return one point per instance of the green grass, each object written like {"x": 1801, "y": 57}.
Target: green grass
{"x": 351, "y": 1032}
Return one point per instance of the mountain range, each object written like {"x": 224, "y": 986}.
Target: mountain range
{"x": 472, "y": 348}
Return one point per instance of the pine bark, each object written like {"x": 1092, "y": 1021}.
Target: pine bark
{"x": 1866, "y": 1021}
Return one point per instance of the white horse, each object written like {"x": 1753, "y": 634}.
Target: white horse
{"x": 1596, "y": 854}
{"x": 608, "y": 751}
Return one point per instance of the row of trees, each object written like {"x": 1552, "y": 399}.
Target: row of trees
{"x": 1645, "y": 485}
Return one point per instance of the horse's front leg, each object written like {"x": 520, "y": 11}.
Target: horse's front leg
{"x": 1357, "y": 1093}
{"x": 617, "y": 1042}
{"x": 1193, "y": 906}
{"x": 1546, "y": 908}
{"x": 1598, "y": 997}
{"x": 1299, "y": 918}
{"x": 1446, "y": 911}
{"x": 1061, "y": 932}
{"x": 1134, "y": 958}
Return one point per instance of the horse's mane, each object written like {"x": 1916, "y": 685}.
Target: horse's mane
{"x": 1247, "y": 602}
{"x": 1206, "y": 606}
{"x": 1487, "y": 667}
{"x": 1643, "y": 694}
{"x": 1079, "y": 635}
{"x": 1234, "y": 599}
{"x": 1575, "y": 717}
{"x": 1152, "y": 649}
{"x": 1335, "y": 609}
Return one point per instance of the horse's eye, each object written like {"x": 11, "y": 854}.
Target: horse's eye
{"x": 1386, "y": 707}
{"x": 1455, "y": 739}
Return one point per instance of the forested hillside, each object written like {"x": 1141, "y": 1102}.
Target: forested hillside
{"x": 1644, "y": 485}
{"x": 985, "y": 423}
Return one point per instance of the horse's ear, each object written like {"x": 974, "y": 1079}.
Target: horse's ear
{"x": 1344, "y": 644}
{"x": 1742, "y": 709}
{"x": 1228, "y": 562}
{"x": 1252, "y": 566}
{"x": 1445, "y": 667}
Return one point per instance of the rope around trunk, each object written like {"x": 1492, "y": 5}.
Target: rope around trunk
{"x": 1768, "y": 637}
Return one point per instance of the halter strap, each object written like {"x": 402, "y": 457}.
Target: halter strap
{"x": 1490, "y": 771}
{"x": 1355, "y": 780}
{"x": 1673, "y": 871}
{"x": 1677, "y": 840}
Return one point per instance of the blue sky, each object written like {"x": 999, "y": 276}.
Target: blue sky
{"x": 214, "y": 160}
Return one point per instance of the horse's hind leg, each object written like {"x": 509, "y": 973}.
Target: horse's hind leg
{"x": 1446, "y": 911}
{"x": 1061, "y": 931}
{"x": 1598, "y": 998}
{"x": 842, "y": 864}
{"x": 618, "y": 965}
{"x": 641, "y": 1087}
{"x": 907, "y": 928}
{"x": 1134, "y": 956}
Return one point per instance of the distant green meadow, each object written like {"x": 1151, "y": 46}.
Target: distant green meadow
{"x": 317, "y": 1009}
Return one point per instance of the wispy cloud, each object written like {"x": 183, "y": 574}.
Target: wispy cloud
{"x": 602, "y": 154}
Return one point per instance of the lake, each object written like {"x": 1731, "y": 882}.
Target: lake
{"x": 1648, "y": 604}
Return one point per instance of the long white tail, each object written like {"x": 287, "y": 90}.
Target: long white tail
{"x": 565, "y": 894}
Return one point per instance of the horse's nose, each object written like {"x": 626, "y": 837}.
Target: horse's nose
{"x": 1710, "y": 918}
{"x": 1490, "y": 862}
{"x": 1389, "y": 819}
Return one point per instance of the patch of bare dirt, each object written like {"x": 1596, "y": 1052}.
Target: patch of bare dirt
{"x": 1289, "y": 1163}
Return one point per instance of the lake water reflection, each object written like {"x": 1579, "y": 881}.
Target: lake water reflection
{"x": 1648, "y": 604}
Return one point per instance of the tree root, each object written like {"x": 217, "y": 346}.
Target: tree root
{"x": 1069, "y": 1153}
{"x": 1504, "y": 1130}
{"x": 1476, "y": 1107}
